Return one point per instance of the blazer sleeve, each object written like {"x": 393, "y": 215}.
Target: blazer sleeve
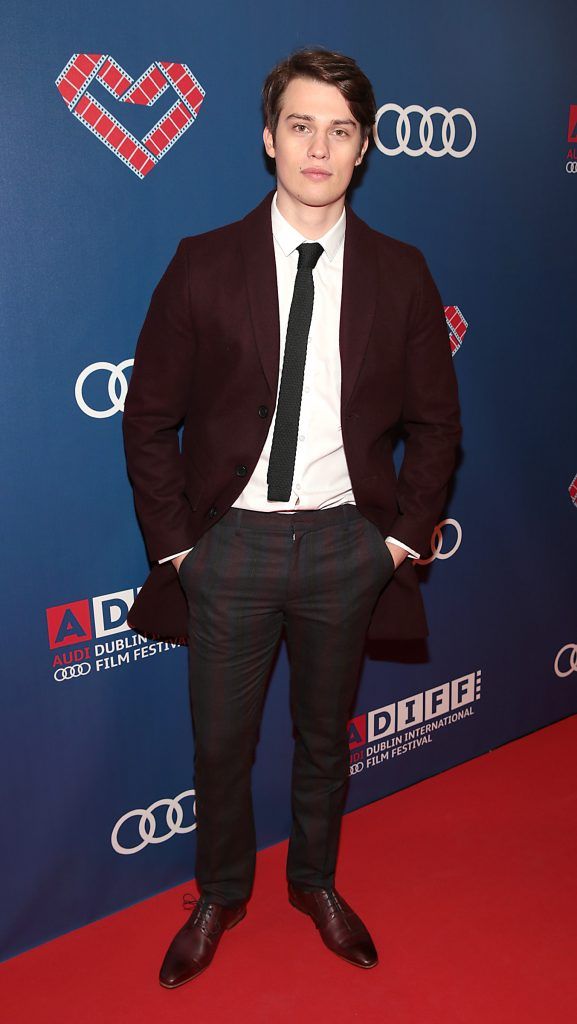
{"x": 430, "y": 418}
{"x": 155, "y": 406}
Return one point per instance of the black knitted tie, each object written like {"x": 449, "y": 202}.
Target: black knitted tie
{"x": 284, "y": 441}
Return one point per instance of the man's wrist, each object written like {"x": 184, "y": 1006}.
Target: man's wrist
{"x": 398, "y": 554}
{"x": 179, "y": 559}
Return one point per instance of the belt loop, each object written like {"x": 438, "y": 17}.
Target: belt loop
{"x": 344, "y": 509}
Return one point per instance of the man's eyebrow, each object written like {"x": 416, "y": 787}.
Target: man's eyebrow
{"x": 310, "y": 117}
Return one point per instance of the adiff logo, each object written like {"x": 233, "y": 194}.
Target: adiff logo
{"x": 404, "y": 725}
{"x": 571, "y": 158}
{"x": 573, "y": 490}
{"x": 93, "y": 633}
{"x": 140, "y": 155}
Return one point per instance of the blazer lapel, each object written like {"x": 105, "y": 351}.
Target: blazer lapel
{"x": 358, "y": 302}
{"x": 260, "y": 270}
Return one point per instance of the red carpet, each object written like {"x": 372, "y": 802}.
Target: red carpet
{"x": 467, "y": 882}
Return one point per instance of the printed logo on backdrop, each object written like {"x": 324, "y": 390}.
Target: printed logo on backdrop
{"x": 571, "y": 159}
{"x": 573, "y": 490}
{"x": 457, "y": 327}
{"x": 100, "y": 389}
{"x": 112, "y": 391}
{"x": 140, "y": 824}
{"x": 444, "y": 542}
{"x": 416, "y": 131}
{"x": 140, "y": 155}
{"x": 399, "y": 728}
{"x": 566, "y": 661}
{"x": 80, "y": 636}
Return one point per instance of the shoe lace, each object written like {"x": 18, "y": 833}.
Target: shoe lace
{"x": 202, "y": 911}
{"x": 189, "y": 901}
{"x": 332, "y": 903}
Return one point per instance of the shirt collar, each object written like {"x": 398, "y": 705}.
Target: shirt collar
{"x": 288, "y": 237}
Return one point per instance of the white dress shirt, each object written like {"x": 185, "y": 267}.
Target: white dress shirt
{"x": 321, "y": 477}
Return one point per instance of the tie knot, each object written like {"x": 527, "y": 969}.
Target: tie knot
{"x": 309, "y": 255}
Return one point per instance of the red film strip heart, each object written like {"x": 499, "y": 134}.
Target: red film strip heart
{"x": 457, "y": 327}
{"x": 573, "y": 490}
{"x": 141, "y": 156}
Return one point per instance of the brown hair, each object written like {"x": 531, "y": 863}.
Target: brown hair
{"x": 322, "y": 66}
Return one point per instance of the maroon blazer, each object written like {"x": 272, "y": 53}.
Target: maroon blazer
{"x": 208, "y": 357}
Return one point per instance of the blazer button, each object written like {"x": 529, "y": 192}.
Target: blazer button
{"x": 263, "y": 411}
{"x": 212, "y": 511}
{"x": 241, "y": 470}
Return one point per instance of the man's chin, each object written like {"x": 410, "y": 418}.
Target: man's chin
{"x": 314, "y": 197}
{"x": 321, "y": 197}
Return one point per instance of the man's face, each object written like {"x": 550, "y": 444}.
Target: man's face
{"x": 317, "y": 144}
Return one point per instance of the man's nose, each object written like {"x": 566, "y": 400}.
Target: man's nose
{"x": 319, "y": 147}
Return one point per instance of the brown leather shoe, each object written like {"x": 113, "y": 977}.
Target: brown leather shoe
{"x": 340, "y": 928}
{"x": 194, "y": 946}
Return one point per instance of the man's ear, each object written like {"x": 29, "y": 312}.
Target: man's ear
{"x": 359, "y": 159}
{"x": 268, "y": 140}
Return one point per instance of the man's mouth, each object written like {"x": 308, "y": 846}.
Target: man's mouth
{"x": 315, "y": 174}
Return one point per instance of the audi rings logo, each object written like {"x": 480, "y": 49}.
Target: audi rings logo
{"x": 571, "y": 167}
{"x": 438, "y": 542}
{"x": 426, "y": 130}
{"x": 147, "y": 823}
{"x": 117, "y": 388}
{"x": 354, "y": 769}
{"x": 72, "y": 671}
{"x": 566, "y": 661}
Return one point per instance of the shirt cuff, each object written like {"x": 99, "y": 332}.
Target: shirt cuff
{"x": 399, "y": 543}
{"x": 170, "y": 557}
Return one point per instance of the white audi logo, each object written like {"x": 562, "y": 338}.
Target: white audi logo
{"x": 147, "y": 823}
{"x": 566, "y": 661}
{"x": 571, "y": 167}
{"x": 426, "y": 130}
{"x": 72, "y": 671}
{"x": 117, "y": 388}
{"x": 437, "y": 542}
{"x": 354, "y": 769}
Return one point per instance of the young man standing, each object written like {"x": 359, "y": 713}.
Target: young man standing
{"x": 290, "y": 345}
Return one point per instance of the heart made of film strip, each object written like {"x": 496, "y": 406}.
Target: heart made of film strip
{"x": 140, "y": 155}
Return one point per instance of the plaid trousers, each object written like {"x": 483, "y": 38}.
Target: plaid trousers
{"x": 317, "y": 575}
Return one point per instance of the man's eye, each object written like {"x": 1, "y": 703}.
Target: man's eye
{"x": 299, "y": 126}
{"x": 342, "y": 132}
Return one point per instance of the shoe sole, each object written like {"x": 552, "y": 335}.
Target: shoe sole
{"x": 198, "y": 973}
{"x": 353, "y": 963}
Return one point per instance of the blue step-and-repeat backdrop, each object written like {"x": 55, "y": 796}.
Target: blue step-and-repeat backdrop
{"x": 129, "y": 125}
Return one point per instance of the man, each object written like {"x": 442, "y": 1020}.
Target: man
{"x": 289, "y": 344}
